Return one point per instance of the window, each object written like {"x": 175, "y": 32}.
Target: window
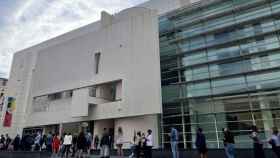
{"x": 92, "y": 91}
{"x": 97, "y": 61}
{"x": 4, "y": 83}
{"x": 68, "y": 94}
{"x": 55, "y": 96}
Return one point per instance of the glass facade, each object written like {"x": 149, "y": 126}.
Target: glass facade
{"x": 220, "y": 68}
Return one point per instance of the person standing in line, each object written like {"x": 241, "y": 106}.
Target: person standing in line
{"x": 37, "y": 142}
{"x": 67, "y": 142}
{"x": 61, "y": 146}
{"x": 43, "y": 142}
{"x": 8, "y": 142}
{"x": 149, "y": 144}
{"x": 174, "y": 142}
{"x": 119, "y": 142}
{"x": 81, "y": 144}
{"x": 274, "y": 141}
{"x": 201, "y": 143}
{"x": 16, "y": 143}
{"x": 96, "y": 142}
{"x": 49, "y": 142}
{"x": 105, "y": 145}
{"x": 257, "y": 143}
{"x": 88, "y": 142}
{"x": 55, "y": 145}
{"x": 29, "y": 142}
{"x": 139, "y": 144}
{"x": 133, "y": 145}
{"x": 111, "y": 138}
{"x": 229, "y": 143}
{"x": 74, "y": 145}
{"x": 2, "y": 142}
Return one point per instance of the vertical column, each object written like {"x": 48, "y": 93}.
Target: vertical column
{"x": 266, "y": 115}
{"x": 183, "y": 126}
{"x": 60, "y": 129}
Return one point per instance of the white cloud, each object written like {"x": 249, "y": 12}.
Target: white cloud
{"x": 38, "y": 20}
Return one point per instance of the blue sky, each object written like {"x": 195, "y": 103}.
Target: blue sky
{"x": 24, "y": 23}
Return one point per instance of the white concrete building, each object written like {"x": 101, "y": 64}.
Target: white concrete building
{"x": 104, "y": 75}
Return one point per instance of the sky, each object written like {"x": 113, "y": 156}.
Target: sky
{"x": 24, "y": 23}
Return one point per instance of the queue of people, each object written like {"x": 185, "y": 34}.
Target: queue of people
{"x": 229, "y": 143}
{"x": 141, "y": 144}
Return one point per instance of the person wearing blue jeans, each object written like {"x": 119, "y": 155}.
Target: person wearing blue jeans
{"x": 174, "y": 142}
{"x": 229, "y": 143}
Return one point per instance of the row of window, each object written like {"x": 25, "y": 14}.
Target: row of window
{"x": 221, "y": 22}
{"x": 262, "y": 62}
{"x": 213, "y": 11}
{"x": 212, "y": 124}
{"x": 239, "y": 103}
{"x": 239, "y": 84}
{"x": 216, "y": 39}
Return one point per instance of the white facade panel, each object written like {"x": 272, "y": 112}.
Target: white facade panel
{"x": 129, "y": 55}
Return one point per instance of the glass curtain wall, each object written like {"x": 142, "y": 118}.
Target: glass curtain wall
{"x": 220, "y": 68}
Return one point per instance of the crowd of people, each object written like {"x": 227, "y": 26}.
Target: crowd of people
{"x": 62, "y": 146}
{"x": 68, "y": 145}
{"x": 229, "y": 143}
{"x": 141, "y": 145}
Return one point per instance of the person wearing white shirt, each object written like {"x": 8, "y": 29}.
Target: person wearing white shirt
{"x": 67, "y": 142}
{"x": 149, "y": 144}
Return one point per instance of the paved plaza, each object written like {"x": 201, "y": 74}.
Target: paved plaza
{"x": 219, "y": 153}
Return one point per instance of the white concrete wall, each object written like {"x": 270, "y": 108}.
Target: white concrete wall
{"x": 131, "y": 125}
{"x": 100, "y": 125}
{"x": 129, "y": 47}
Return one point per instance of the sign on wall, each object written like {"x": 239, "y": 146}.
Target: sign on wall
{"x": 9, "y": 107}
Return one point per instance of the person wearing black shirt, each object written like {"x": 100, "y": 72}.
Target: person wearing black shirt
{"x": 105, "y": 145}
{"x": 16, "y": 143}
{"x": 229, "y": 143}
{"x": 8, "y": 141}
{"x": 201, "y": 143}
{"x": 81, "y": 144}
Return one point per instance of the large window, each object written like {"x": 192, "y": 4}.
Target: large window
{"x": 220, "y": 68}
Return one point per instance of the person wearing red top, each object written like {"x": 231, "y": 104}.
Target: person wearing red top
{"x": 55, "y": 144}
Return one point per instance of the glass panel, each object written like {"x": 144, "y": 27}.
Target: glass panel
{"x": 232, "y": 85}
{"x": 223, "y": 53}
{"x": 253, "y": 13}
{"x": 172, "y": 109}
{"x": 217, "y": 8}
{"x": 196, "y": 73}
{"x": 168, "y": 50}
{"x": 231, "y": 104}
{"x": 263, "y": 81}
{"x": 275, "y": 7}
{"x": 265, "y": 101}
{"x": 230, "y": 68}
{"x": 196, "y": 58}
{"x": 170, "y": 93}
{"x": 200, "y": 106}
{"x": 197, "y": 89}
